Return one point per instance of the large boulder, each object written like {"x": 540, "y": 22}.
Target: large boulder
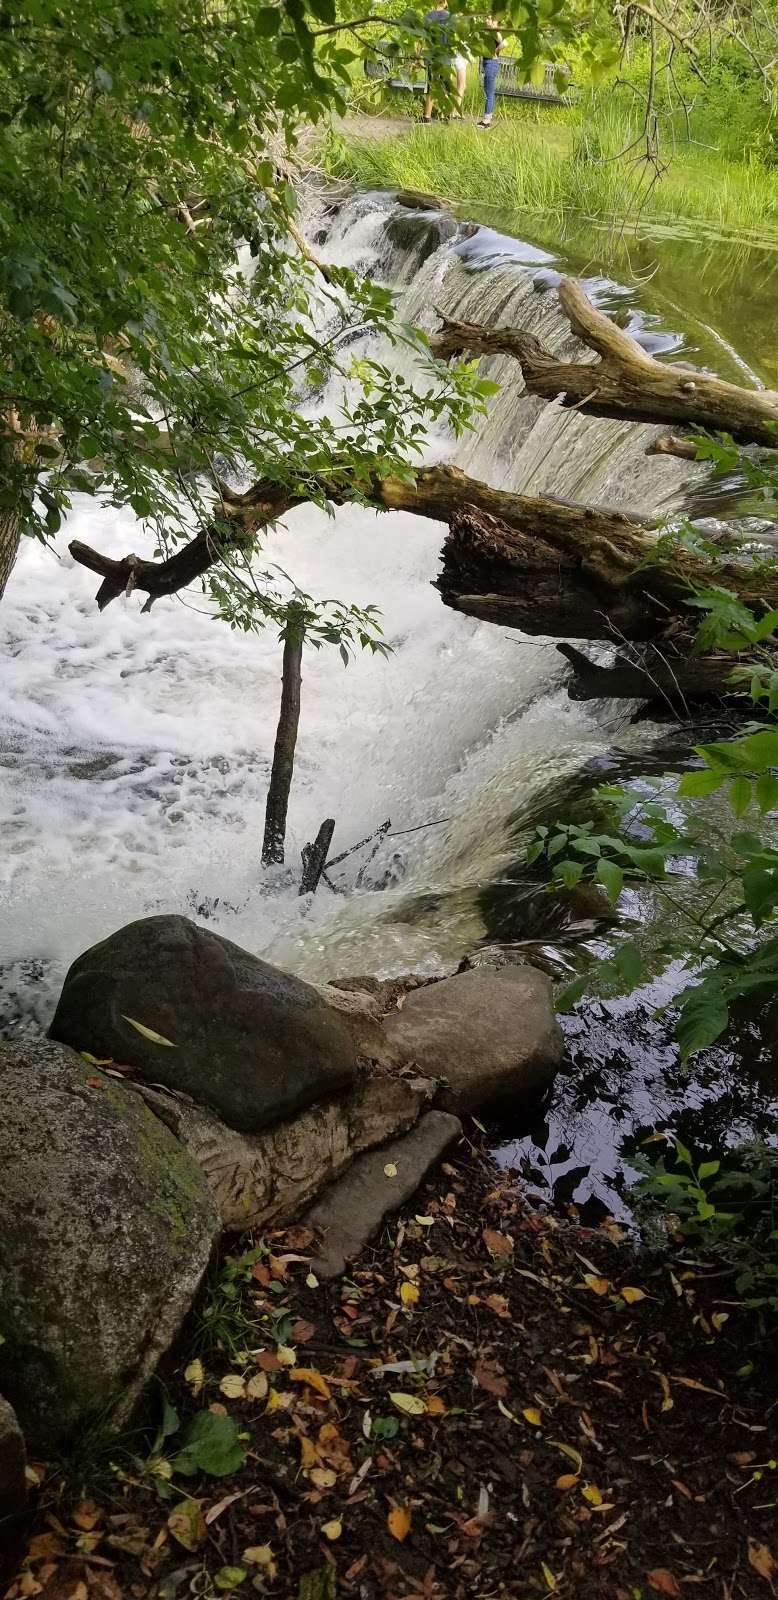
{"x": 13, "y": 1486}
{"x": 247, "y": 1041}
{"x": 492, "y": 1037}
{"x": 106, "y": 1228}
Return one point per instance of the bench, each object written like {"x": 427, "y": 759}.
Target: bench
{"x": 409, "y": 73}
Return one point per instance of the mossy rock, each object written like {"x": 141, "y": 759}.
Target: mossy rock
{"x": 106, "y": 1228}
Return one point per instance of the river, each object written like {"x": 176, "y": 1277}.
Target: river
{"x": 134, "y": 749}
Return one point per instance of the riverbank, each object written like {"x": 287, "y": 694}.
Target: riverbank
{"x": 558, "y": 166}
{"x": 494, "y": 1401}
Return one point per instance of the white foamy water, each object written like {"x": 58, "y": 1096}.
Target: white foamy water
{"x": 135, "y": 749}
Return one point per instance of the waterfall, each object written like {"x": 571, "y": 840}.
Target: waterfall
{"x": 134, "y": 750}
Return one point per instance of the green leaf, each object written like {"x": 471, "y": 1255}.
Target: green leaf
{"x": 572, "y": 992}
{"x": 699, "y": 783}
{"x": 211, "y": 1444}
{"x": 740, "y": 795}
{"x": 629, "y": 963}
{"x": 229, "y": 1577}
{"x": 767, "y": 792}
{"x": 611, "y": 876}
{"x": 708, "y": 1169}
{"x": 570, "y": 873}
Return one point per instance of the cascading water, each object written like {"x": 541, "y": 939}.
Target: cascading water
{"x": 134, "y": 750}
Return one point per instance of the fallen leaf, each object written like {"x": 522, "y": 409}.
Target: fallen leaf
{"x": 571, "y": 1453}
{"x": 148, "y": 1033}
{"x": 332, "y": 1530}
{"x": 436, "y": 1406}
{"x": 307, "y": 1453}
{"x": 718, "y": 1319}
{"x": 691, "y": 1383}
{"x": 323, "y": 1477}
{"x": 187, "y": 1523}
{"x": 409, "y": 1294}
{"x": 267, "y": 1360}
{"x": 312, "y": 1281}
{"x": 425, "y": 1222}
{"x": 632, "y": 1295}
{"x": 412, "y": 1403}
{"x": 313, "y": 1379}
{"x": 568, "y": 1480}
{"x": 302, "y": 1331}
{"x": 549, "y": 1577}
{"x": 498, "y": 1244}
{"x": 489, "y": 1376}
{"x": 260, "y": 1555}
{"x": 390, "y": 1170}
{"x": 596, "y": 1284}
{"x": 257, "y": 1387}
{"x": 195, "y": 1376}
{"x": 532, "y": 1416}
{"x": 87, "y": 1515}
{"x": 497, "y": 1303}
{"x": 286, "y": 1355}
{"x": 761, "y": 1558}
{"x": 591, "y": 1493}
{"x": 229, "y": 1577}
{"x": 661, "y": 1579}
{"x": 399, "y": 1522}
{"x": 233, "y": 1385}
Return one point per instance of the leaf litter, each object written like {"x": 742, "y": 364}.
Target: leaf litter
{"x": 329, "y": 1481}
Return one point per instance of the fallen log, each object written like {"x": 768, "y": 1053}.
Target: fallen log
{"x": 654, "y": 675}
{"x": 624, "y": 381}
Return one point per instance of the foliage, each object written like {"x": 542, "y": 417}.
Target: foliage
{"x": 728, "y": 1205}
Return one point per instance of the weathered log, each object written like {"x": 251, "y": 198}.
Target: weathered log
{"x": 653, "y": 675}
{"x": 315, "y": 857}
{"x": 624, "y": 381}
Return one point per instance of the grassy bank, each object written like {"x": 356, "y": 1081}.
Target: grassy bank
{"x": 558, "y": 162}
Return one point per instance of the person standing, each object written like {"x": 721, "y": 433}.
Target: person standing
{"x": 445, "y": 59}
{"x": 490, "y": 67}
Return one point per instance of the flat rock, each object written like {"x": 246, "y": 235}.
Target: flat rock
{"x": 13, "y": 1486}
{"x": 351, "y": 1211}
{"x": 106, "y": 1228}
{"x": 491, "y": 1036}
{"x": 251, "y": 1043}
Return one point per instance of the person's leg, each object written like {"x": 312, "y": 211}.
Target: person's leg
{"x": 427, "y": 112}
{"x": 491, "y": 69}
{"x": 461, "y": 66}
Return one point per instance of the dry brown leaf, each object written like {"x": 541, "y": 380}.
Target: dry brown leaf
{"x": 632, "y": 1295}
{"x": 302, "y": 1331}
{"x": 596, "y": 1284}
{"x": 323, "y": 1477}
{"x": 399, "y": 1522}
{"x": 661, "y": 1579}
{"x": 489, "y": 1376}
{"x": 498, "y": 1304}
{"x": 498, "y": 1244}
{"x": 761, "y": 1558}
{"x": 691, "y": 1383}
{"x": 87, "y": 1515}
{"x": 568, "y": 1480}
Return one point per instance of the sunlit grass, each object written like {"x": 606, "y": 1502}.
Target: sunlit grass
{"x": 569, "y": 162}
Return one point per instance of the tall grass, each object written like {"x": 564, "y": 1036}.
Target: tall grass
{"x": 557, "y": 161}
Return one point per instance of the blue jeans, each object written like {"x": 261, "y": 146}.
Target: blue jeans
{"x": 490, "y": 67}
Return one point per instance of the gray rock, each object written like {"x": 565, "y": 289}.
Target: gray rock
{"x": 252, "y": 1043}
{"x": 420, "y": 232}
{"x": 106, "y": 1228}
{"x": 351, "y": 1211}
{"x": 492, "y": 1036}
{"x": 13, "y": 1485}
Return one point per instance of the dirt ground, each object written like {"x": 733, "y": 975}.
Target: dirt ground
{"x": 496, "y": 1403}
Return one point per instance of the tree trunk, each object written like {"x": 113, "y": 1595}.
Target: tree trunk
{"x": 10, "y": 535}
{"x": 624, "y": 381}
{"x": 283, "y": 754}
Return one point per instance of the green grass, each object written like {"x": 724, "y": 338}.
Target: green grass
{"x": 561, "y": 161}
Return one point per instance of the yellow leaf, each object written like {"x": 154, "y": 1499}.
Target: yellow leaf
{"x": 718, "y": 1319}
{"x": 286, "y": 1355}
{"x": 313, "y": 1379}
{"x": 409, "y": 1294}
{"x": 549, "y": 1577}
{"x": 312, "y": 1281}
{"x": 390, "y": 1169}
{"x": 148, "y": 1033}
{"x": 257, "y": 1387}
{"x": 568, "y": 1480}
{"x": 571, "y": 1453}
{"x": 591, "y": 1493}
{"x": 532, "y": 1416}
{"x": 195, "y": 1375}
{"x": 597, "y": 1285}
{"x": 762, "y": 1560}
{"x": 332, "y": 1530}
{"x": 425, "y": 1222}
{"x": 260, "y": 1555}
{"x": 273, "y": 1402}
{"x": 323, "y": 1477}
{"x": 233, "y": 1386}
{"x": 307, "y": 1453}
{"x": 187, "y": 1523}
{"x": 632, "y": 1295}
{"x": 160, "y": 1468}
{"x": 399, "y": 1522}
{"x": 435, "y": 1406}
{"x": 411, "y": 1403}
